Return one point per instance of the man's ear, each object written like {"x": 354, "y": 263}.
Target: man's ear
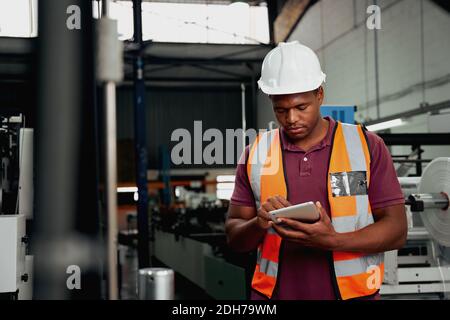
{"x": 321, "y": 94}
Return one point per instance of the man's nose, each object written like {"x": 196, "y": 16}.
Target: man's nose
{"x": 292, "y": 116}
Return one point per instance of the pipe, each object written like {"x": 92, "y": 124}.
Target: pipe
{"x": 421, "y": 202}
{"x": 244, "y": 117}
{"x": 140, "y": 140}
{"x": 111, "y": 186}
{"x": 422, "y": 51}
{"x": 435, "y": 108}
{"x": 109, "y": 94}
{"x": 254, "y": 101}
{"x": 377, "y": 71}
{"x": 106, "y": 8}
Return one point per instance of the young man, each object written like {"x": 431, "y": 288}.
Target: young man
{"x": 345, "y": 170}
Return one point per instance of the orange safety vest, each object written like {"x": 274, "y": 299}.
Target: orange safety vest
{"x": 348, "y": 178}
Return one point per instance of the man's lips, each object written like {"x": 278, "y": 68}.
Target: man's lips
{"x": 296, "y": 130}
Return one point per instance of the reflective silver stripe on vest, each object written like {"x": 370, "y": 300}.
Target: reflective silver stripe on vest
{"x": 268, "y": 267}
{"x": 345, "y": 224}
{"x": 257, "y": 162}
{"x": 353, "y": 267}
{"x": 362, "y": 207}
{"x": 354, "y": 147}
{"x": 353, "y": 223}
{"x": 258, "y": 256}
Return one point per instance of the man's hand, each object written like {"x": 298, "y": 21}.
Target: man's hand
{"x": 320, "y": 234}
{"x": 264, "y": 217}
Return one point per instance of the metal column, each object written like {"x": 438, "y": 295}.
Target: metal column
{"x": 110, "y": 132}
{"x": 111, "y": 186}
{"x": 66, "y": 197}
{"x": 244, "y": 115}
{"x": 140, "y": 140}
{"x": 377, "y": 70}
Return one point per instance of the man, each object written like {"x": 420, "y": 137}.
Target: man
{"x": 344, "y": 169}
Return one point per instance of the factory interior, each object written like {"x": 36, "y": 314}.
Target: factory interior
{"x": 122, "y": 124}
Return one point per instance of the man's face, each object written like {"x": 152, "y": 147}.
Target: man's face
{"x": 298, "y": 113}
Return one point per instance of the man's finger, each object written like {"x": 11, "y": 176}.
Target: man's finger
{"x": 264, "y": 215}
{"x": 284, "y": 233}
{"x": 266, "y": 224}
{"x": 323, "y": 214}
{"x": 269, "y": 224}
{"x": 297, "y": 225}
{"x": 267, "y": 206}
{"x": 283, "y": 201}
{"x": 275, "y": 203}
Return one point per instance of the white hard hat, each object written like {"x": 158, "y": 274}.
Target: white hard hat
{"x": 291, "y": 68}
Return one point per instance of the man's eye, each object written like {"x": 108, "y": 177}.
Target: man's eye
{"x": 303, "y": 107}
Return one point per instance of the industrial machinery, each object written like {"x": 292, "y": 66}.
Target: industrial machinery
{"x": 422, "y": 268}
{"x": 16, "y": 206}
{"x": 345, "y": 114}
{"x": 190, "y": 238}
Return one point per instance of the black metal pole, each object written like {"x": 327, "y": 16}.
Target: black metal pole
{"x": 254, "y": 103}
{"x": 66, "y": 199}
{"x": 419, "y": 157}
{"x": 140, "y": 140}
{"x": 377, "y": 70}
{"x": 272, "y": 8}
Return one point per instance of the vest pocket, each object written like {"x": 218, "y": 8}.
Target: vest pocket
{"x": 351, "y": 183}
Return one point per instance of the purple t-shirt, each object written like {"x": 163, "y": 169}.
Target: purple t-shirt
{"x": 305, "y": 273}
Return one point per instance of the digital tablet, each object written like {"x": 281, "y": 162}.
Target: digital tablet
{"x": 305, "y": 212}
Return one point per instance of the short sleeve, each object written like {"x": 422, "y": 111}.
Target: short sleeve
{"x": 242, "y": 193}
{"x": 384, "y": 188}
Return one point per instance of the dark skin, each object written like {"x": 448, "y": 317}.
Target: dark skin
{"x": 299, "y": 115}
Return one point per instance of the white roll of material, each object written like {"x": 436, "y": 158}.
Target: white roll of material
{"x": 436, "y": 179}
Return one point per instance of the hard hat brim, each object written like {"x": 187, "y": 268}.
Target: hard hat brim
{"x": 292, "y": 89}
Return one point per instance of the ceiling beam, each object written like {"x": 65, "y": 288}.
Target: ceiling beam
{"x": 194, "y": 79}
{"x": 164, "y": 60}
{"x": 290, "y": 15}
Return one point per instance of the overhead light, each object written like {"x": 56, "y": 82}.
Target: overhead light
{"x": 127, "y": 189}
{"x": 226, "y": 178}
{"x": 386, "y": 125}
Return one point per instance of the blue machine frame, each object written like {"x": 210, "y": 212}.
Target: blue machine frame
{"x": 345, "y": 114}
